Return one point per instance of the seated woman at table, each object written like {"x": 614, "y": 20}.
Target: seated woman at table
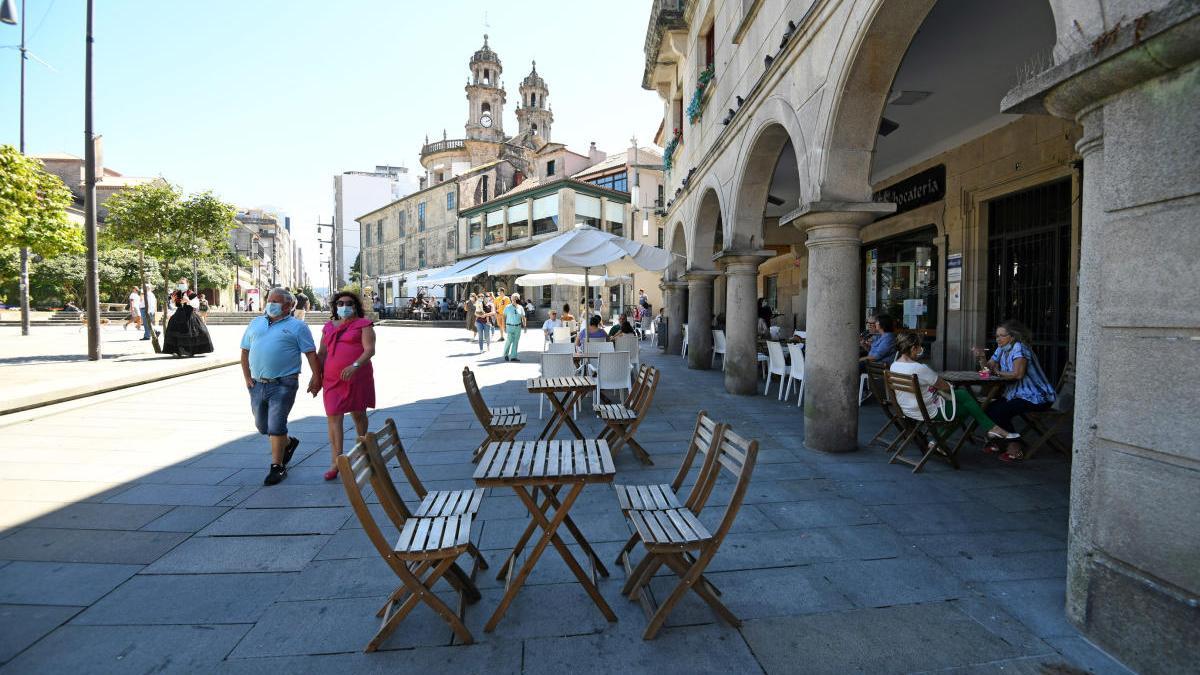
{"x": 621, "y": 327}
{"x": 593, "y": 332}
{"x": 1030, "y": 390}
{"x": 908, "y": 351}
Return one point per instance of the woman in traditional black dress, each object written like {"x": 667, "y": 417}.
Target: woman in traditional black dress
{"x": 186, "y": 333}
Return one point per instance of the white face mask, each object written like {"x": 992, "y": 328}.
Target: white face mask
{"x": 182, "y": 287}
{"x": 345, "y": 312}
{"x": 274, "y": 309}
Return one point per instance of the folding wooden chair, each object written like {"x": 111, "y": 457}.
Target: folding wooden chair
{"x": 929, "y": 434}
{"x": 1047, "y": 424}
{"x": 426, "y": 549}
{"x": 500, "y": 424}
{"x": 675, "y": 537}
{"x": 621, "y": 420}
{"x": 666, "y": 495}
{"x": 876, "y": 376}
{"x": 386, "y": 445}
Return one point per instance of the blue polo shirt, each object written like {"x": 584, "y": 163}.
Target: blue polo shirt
{"x": 275, "y": 348}
{"x": 883, "y": 348}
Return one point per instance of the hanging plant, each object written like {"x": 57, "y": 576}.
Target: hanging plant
{"x": 695, "y": 108}
{"x": 669, "y": 151}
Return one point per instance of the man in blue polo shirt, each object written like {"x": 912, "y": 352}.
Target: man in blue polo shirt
{"x": 271, "y": 349}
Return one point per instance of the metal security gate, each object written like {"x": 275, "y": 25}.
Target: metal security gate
{"x": 1029, "y": 247}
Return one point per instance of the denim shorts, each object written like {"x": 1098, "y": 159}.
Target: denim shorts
{"x": 271, "y": 402}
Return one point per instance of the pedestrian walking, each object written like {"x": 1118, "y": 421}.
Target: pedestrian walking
{"x": 149, "y": 308}
{"x": 501, "y": 302}
{"x": 135, "y": 310}
{"x": 348, "y": 380}
{"x": 514, "y": 321}
{"x": 203, "y": 308}
{"x": 484, "y": 313}
{"x": 271, "y": 349}
{"x": 468, "y": 310}
{"x": 301, "y": 305}
{"x": 186, "y": 334}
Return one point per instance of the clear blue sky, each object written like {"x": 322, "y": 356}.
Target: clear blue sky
{"x": 263, "y": 101}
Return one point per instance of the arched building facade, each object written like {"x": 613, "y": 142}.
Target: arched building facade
{"x": 958, "y": 163}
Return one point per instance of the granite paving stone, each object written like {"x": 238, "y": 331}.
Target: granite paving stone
{"x": 1008, "y": 566}
{"x": 756, "y": 594}
{"x": 201, "y": 555}
{"x": 129, "y": 649}
{"x": 177, "y": 495}
{"x": 185, "y": 519}
{"x": 188, "y": 599}
{"x": 285, "y": 496}
{"x": 60, "y": 583}
{"x": 1037, "y": 603}
{"x": 94, "y": 546}
{"x": 817, "y": 513}
{"x": 89, "y": 516}
{"x": 23, "y": 625}
{"x": 892, "y": 581}
{"x": 244, "y": 522}
{"x": 488, "y": 658}
{"x": 675, "y": 650}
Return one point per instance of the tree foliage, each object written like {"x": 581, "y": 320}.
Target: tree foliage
{"x": 33, "y": 207}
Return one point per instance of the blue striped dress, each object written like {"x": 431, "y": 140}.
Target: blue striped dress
{"x": 1034, "y": 387}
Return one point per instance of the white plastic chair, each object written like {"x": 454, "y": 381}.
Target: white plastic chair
{"x": 718, "y": 348}
{"x": 561, "y": 334}
{"x": 646, "y": 326}
{"x": 612, "y": 373}
{"x": 556, "y": 364}
{"x": 762, "y": 363}
{"x": 653, "y": 334}
{"x": 863, "y": 390}
{"x": 627, "y": 342}
{"x": 795, "y": 372}
{"x": 683, "y": 347}
{"x": 776, "y": 365}
{"x": 560, "y": 348}
{"x": 597, "y": 346}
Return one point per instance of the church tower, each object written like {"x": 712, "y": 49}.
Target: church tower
{"x": 485, "y": 96}
{"x": 533, "y": 116}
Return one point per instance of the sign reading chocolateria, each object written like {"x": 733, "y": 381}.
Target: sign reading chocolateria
{"x": 923, "y": 188}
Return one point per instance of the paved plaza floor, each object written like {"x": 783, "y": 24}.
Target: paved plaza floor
{"x": 136, "y": 536}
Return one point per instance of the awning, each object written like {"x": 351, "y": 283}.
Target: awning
{"x": 420, "y": 277}
{"x": 466, "y": 269}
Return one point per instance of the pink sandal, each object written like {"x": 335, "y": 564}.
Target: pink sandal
{"x": 331, "y": 474}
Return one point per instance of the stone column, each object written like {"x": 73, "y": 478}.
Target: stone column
{"x": 719, "y": 295}
{"x": 832, "y": 320}
{"x": 673, "y": 302}
{"x": 700, "y": 316}
{"x": 741, "y": 329}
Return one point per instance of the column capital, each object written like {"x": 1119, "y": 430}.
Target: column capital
{"x": 856, "y": 214}
{"x": 672, "y": 285}
{"x": 697, "y": 276}
{"x": 741, "y": 262}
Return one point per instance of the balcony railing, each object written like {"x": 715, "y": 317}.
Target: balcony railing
{"x": 442, "y": 146}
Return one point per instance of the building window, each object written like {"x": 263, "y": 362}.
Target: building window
{"x": 637, "y": 179}
{"x": 545, "y": 215}
{"x": 421, "y": 254}
{"x": 485, "y": 107}
{"x": 587, "y": 210}
{"x": 662, "y": 235}
{"x": 616, "y": 181}
{"x": 532, "y": 100}
{"x": 403, "y": 263}
{"x": 771, "y": 291}
{"x": 475, "y": 233}
{"x": 901, "y": 279}
{"x": 614, "y": 218}
{"x": 494, "y": 232}
{"x": 518, "y": 221}
{"x": 379, "y": 231}
{"x": 661, "y": 200}
{"x": 678, "y": 117}
{"x": 451, "y": 235}
{"x": 550, "y": 168}
{"x": 534, "y": 127}
{"x": 449, "y": 201}
{"x": 484, "y": 184}
{"x": 421, "y": 217}
{"x": 487, "y": 76}
{"x": 379, "y": 261}
{"x": 710, "y": 48}
{"x": 366, "y": 236}
{"x": 402, "y": 217}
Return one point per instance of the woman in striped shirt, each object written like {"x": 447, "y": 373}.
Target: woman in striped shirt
{"x": 1029, "y": 390}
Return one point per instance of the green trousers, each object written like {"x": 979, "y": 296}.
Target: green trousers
{"x": 513, "y": 340}
{"x": 965, "y": 402}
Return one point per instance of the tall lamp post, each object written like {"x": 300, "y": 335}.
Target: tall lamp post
{"x": 8, "y": 15}
{"x": 89, "y": 200}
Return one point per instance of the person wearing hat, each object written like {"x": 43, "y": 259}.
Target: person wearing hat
{"x": 514, "y": 321}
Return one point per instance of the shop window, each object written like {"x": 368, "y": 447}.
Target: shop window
{"x": 901, "y": 279}
{"x": 614, "y": 218}
{"x": 545, "y": 215}
{"x": 518, "y": 221}
{"x": 587, "y": 210}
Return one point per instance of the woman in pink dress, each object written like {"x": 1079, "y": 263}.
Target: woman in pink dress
{"x": 347, "y": 345}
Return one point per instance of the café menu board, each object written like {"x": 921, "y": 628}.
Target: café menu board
{"x": 926, "y": 187}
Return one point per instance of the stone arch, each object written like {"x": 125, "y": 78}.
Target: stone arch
{"x": 708, "y": 230}
{"x": 867, "y": 57}
{"x": 677, "y": 245}
{"x": 775, "y": 123}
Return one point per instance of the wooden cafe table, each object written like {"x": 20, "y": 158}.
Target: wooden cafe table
{"x": 564, "y": 393}
{"x": 543, "y": 468}
{"x": 985, "y": 389}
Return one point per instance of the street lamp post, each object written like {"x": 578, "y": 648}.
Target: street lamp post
{"x": 8, "y": 14}
{"x": 89, "y": 201}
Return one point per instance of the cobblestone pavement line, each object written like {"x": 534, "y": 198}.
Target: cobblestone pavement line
{"x": 136, "y": 535}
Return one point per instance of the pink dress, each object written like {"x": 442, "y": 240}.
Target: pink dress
{"x": 343, "y": 344}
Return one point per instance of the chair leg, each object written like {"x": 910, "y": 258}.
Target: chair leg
{"x": 680, "y": 567}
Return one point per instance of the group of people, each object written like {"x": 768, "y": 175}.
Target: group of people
{"x": 1027, "y": 389}
{"x": 497, "y": 312}
{"x": 273, "y": 347}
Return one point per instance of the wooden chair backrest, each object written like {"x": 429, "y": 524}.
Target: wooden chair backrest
{"x": 476, "y": 397}
{"x": 392, "y": 446}
{"x": 735, "y": 456}
{"x": 357, "y": 472}
{"x": 908, "y": 384}
{"x": 876, "y": 381}
{"x": 639, "y": 381}
{"x": 705, "y": 436}
{"x": 389, "y": 497}
{"x": 641, "y": 404}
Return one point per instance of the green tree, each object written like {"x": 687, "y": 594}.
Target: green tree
{"x": 356, "y": 270}
{"x": 156, "y": 218}
{"x": 33, "y": 212}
